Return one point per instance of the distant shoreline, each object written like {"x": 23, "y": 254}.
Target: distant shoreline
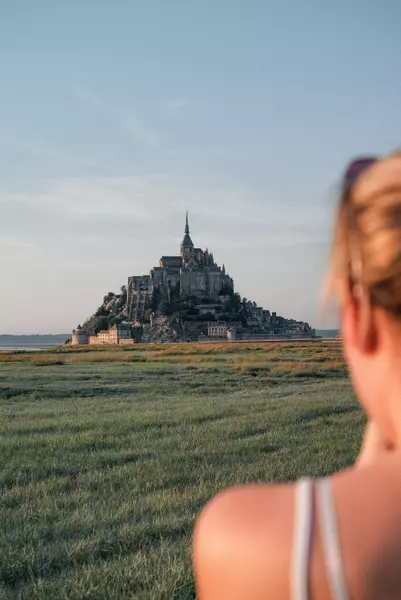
{"x": 10, "y": 343}
{"x": 26, "y": 348}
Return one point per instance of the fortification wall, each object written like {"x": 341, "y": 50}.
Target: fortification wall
{"x": 79, "y": 339}
{"x": 214, "y": 283}
{"x": 200, "y": 282}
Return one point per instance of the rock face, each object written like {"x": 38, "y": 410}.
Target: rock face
{"x": 167, "y": 330}
{"x": 163, "y": 330}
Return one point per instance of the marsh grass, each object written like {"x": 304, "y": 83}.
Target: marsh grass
{"x": 108, "y": 455}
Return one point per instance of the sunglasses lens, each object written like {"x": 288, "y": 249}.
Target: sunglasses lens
{"x": 357, "y": 167}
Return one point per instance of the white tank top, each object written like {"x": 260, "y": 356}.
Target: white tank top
{"x": 303, "y": 536}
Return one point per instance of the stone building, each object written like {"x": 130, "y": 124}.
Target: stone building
{"x": 193, "y": 273}
{"x": 118, "y": 334}
{"x": 217, "y": 329}
{"x": 79, "y": 337}
{"x": 103, "y": 337}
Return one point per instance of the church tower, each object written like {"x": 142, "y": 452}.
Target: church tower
{"x": 187, "y": 244}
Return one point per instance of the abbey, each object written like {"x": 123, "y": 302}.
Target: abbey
{"x": 187, "y": 297}
{"x": 193, "y": 272}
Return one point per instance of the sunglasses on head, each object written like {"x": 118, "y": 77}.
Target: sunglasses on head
{"x": 356, "y": 168}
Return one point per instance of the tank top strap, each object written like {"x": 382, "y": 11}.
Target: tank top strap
{"x": 302, "y": 539}
{"x": 330, "y": 540}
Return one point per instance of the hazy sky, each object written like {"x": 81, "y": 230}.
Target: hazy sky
{"x": 115, "y": 116}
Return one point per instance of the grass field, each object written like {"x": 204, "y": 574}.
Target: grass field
{"x": 107, "y": 455}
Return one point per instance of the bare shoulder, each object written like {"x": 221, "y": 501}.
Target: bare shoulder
{"x": 243, "y": 538}
{"x": 238, "y": 534}
{"x": 369, "y": 496}
{"x": 367, "y": 504}
{"x": 246, "y": 506}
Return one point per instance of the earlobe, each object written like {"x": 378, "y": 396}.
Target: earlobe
{"x": 371, "y": 334}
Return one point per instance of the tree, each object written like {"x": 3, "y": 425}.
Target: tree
{"x": 205, "y": 317}
{"x": 226, "y": 290}
{"x": 137, "y": 334}
{"x": 108, "y": 297}
{"x": 102, "y": 323}
{"x": 233, "y": 304}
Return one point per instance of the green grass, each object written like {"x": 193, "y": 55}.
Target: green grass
{"x": 105, "y": 462}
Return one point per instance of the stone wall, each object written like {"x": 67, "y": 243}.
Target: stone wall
{"x": 193, "y": 283}
{"x": 79, "y": 338}
{"x": 201, "y": 282}
{"x": 139, "y": 295}
{"x": 215, "y": 283}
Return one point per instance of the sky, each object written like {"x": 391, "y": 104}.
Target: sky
{"x": 117, "y": 116}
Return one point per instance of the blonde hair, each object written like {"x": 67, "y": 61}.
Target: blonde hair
{"x": 366, "y": 252}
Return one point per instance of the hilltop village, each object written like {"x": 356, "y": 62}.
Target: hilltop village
{"x": 187, "y": 297}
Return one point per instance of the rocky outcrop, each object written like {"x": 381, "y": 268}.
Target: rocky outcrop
{"x": 168, "y": 329}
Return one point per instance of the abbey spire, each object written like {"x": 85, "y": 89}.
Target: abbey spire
{"x": 187, "y": 243}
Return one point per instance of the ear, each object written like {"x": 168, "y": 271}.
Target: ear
{"x": 368, "y": 327}
{"x": 359, "y": 321}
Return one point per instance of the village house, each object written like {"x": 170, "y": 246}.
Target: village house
{"x": 118, "y": 334}
{"x": 217, "y": 329}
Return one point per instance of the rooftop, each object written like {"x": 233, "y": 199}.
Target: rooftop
{"x": 171, "y": 260}
{"x": 186, "y": 240}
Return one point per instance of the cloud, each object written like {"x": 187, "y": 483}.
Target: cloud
{"x": 129, "y": 122}
{"x": 139, "y": 207}
{"x": 51, "y": 153}
{"x": 18, "y": 246}
{"x": 176, "y": 103}
{"x": 90, "y": 98}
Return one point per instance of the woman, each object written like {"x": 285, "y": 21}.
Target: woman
{"x": 337, "y": 538}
